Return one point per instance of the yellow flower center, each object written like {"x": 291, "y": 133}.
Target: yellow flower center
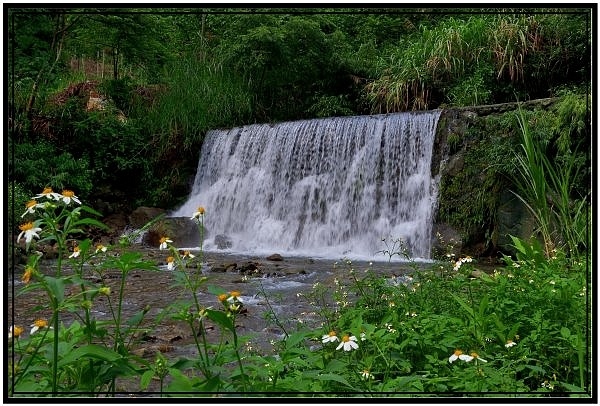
{"x": 201, "y": 210}
{"x": 170, "y": 259}
{"x": 76, "y": 249}
{"x": 68, "y": 193}
{"x": 47, "y": 191}
{"x": 332, "y": 333}
{"x": 30, "y": 204}
{"x": 474, "y": 355}
{"x": 39, "y": 323}
{"x": 163, "y": 240}
{"x": 26, "y": 226}
{"x": 235, "y": 293}
{"x": 17, "y": 331}
{"x": 346, "y": 338}
{"x": 458, "y": 352}
{"x": 222, "y": 297}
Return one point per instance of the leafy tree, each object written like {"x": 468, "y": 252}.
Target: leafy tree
{"x": 137, "y": 40}
{"x": 37, "y": 41}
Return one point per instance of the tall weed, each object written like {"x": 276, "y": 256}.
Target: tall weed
{"x": 546, "y": 190}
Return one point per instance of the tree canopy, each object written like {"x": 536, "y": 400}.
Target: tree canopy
{"x": 173, "y": 74}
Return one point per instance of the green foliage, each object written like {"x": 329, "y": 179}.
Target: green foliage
{"x": 473, "y": 89}
{"x": 18, "y": 196}
{"x": 119, "y": 91}
{"x": 198, "y": 97}
{"x": 469, "y": 196}
{"x": 133, "y": 43}
{"x": 330, "y": 106}
{"x": 210, "y": 70}
{"x": 547, "y": 191}
{"x": 472, "y": 59}
{"x": 115, "y": 150}
{"x": 441, "y": 328}
{"x": 283, "y": 58}
{"x": 41, "y": 163}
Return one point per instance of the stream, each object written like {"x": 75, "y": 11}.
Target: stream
{"x": 284, "y": 283}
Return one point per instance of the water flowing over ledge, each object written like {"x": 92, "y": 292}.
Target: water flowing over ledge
{"x": 331, "y": 188}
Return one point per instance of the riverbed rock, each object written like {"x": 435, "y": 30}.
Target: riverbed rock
{"x": 445, "y": 240}
{"x": 248, "y": 267}
{"x": 181, "y": 230}
{"x": 513, "y": 218}
{"x": 275, "y": 257}
{"x": 116, "y": 223}
{"x": 223, "y": 242}
{"x": 142, "y": 215}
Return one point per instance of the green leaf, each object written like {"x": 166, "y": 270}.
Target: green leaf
{"x": 571, "y": 388}
{"x": 56, "y": 286}
{"x": 146, "y": 378}
{"x": 90, "y": 222}
{"x": 294, "y": 339}
{"x": 27, "y": 385}
{"x": 221, "y": 319}
{"x": 180, "y": 382}
{"x": 333, "y": 377}
{"x": 183, "y": 364}
{"x": 89, "y": 351}
{"x": 483, "y": 305}
{"x": 211, "y": 384}
{"x": 136, "y": 318}
{"x": 518, "y": 244}
{"x": 463, "y": 304}
{"x": 336, "y": 366}
{"x": 565, "y": 332}
{"x": 90, "y": 210}
{"x": 215, "y": 290}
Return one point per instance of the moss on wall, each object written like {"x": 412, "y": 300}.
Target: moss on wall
{"x": 474, "y": 153}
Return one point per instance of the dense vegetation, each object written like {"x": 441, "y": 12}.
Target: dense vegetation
{"x": 441, "y": 329}
{"x": 474, "y": 195}
{"x": 167, "y": 76}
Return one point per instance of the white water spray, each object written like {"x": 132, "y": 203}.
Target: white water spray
{"x": 329, "y": 187}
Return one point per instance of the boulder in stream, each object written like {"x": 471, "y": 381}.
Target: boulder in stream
{"x": 223, "y": 242}
{"x": 275, "y": 257}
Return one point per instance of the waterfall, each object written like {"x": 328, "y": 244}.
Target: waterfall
{"x": 332, "y": 187}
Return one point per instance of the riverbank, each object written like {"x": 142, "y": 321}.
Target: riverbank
{"x": 277, "y": 286}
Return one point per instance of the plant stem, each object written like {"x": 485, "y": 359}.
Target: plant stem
{"x": 237, "y": 354}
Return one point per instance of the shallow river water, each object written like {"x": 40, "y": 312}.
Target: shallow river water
{"x": 284, "y": 283}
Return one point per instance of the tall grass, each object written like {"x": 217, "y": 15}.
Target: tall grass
{"x": 511, "y": 41}
{"x": 457, "y": 54}
{"x": 546, "y": 191}
{"x": 199, "y": 96}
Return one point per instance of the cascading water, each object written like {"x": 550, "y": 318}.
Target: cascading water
{"x": 331, "y": 187}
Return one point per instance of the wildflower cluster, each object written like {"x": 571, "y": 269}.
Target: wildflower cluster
{"x": 232, "y": 301}
{"x": 461, "y": 261}
{"x": 458, "y": 354}
{"x": 32, "y": 229}
{"x": 347, "y": 342}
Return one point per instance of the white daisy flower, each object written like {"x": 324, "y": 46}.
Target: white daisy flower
{"x": 348, "y": 343}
